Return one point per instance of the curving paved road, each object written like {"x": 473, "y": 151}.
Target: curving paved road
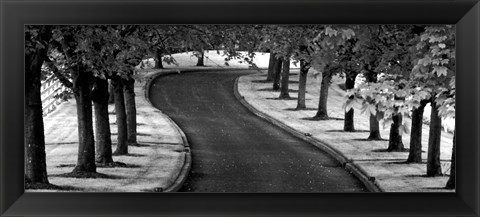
{"x": 235, "y": 151}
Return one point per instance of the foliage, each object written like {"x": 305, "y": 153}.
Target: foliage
{"x": 414, "y": 63}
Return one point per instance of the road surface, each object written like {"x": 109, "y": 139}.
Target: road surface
{"x": 235, "y": 151}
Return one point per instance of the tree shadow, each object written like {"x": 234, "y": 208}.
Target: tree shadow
{"x": 131, "y": 155}
{"x": 261, "y": 81}
{"x": 405, "y": 162}
{"x": 117, "y": 164}
{"x": 140, "y": 145}
{"x": 33, "y": 186}
{"x": 437, "y": 188}
{"x": 276, "y": 98}
{"x": 87, "y": 175}
{"x": 385, "y": 150}
{"x": 305, "y": 109}
{"x": 365, "y": 140}
{"x": 143, "y": 134}
{"x": 343, "y": 131}
{"x": 270, "y": 89}
{"x": 62, "y": 143}
{"x": 138, "y": 134}
{"x": 65, "y": 165}
{"x": 424, "y": 176}
{"x": 108, "y": 165}
{"x": 322, "y": 119}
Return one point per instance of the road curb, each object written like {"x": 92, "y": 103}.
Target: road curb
{"x": 187, "y": 163}
{"x": 347, "y": 163}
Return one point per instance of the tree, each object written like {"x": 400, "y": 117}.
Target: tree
{"x": 87, "y": 53}
{"x": 103, "y": 141}
{"x": 348, "y": 124}
{"x": 130, "y": 110}
{"x": 100, "y": 40}
{"x": 435, "y": 66}
{"x": 277, "y": 69}
{"x": 374, "y": 125}
{"x": 126, "y": 48}
{"x": 120, "y": 112}
{"x": 289, "y": 43}
{"x": 86, "y": 149}
{"x": 201, "y": 57}
{"x": 434, "y": 168}
{"x": 397, "y": 43}
{"x": 162, "y": 41}
{"x": 285, "y": 79}
{"x": 36, "y": 46}
{"x": 271, "y": 63}
{"x": 329, "y": 44}
{"x": 69, "y": 41}
{"x": 415, "y": 152}
{"x": 275, "y": 39}
{"x": 378, "y": 51}
{"x": 451, "y": 180}
{"x": 387, "y": 98}
{"x": 327, "y": 74}
{"x": 158, "y": 58}
{"x": 348, "y": 61}
{"x": 302, "y": 83}
{"x": 135, "y": 47}
{"x": 304, "y": 55}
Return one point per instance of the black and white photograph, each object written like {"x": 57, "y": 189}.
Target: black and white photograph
{"x": 240, "y": 108}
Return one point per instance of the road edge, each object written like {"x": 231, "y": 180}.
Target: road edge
{"x": 370, "y": 183}
{"x": 187, "y": 163}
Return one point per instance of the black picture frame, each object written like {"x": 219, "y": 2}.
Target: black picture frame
{"x": 465, "y": 14}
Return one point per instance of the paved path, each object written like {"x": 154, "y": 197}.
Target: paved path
{"x": 235, "y": 151}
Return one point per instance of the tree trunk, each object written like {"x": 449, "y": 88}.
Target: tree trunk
{"x": 302, "y": 85}
{"x": 103, "y": 141}
{"x": 122, "y": 146}
{"x": 158, "y": 59}
{"x": 271, "y": 63}
{"x": 277, "y": 69}
{"x": 348, "y": 124}
{"x": 86, "y": 147}
{"x": 374, "y": 128}
{"x": 322, "y": 103}
{"x": 111, "y": 97}
{"x": 433, "y": 157}
{"x": 451, "y": 180}
{"x": 371, "y": 76}
{"x": 35, "y": 160}
{"x": 395, "y": 142}
{"x": 285, "y": 79}
{"x": 201, "y": 58}
{"x": 415, "y": 153}
{"x": 131, "y": 111}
